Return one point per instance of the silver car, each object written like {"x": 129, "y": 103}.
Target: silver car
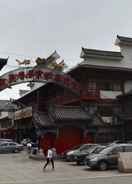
{"x": 10, "y": 147}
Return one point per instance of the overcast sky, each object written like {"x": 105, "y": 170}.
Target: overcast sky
{"x": 32, "y": 28}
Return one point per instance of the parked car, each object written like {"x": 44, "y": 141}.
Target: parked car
{"x": 80, "y": 156}
{"x": 5, "y": 140}
{"x": 108, "y": 157}
{"x": 71, "y": 155}
{"x": 64, "y": 154}
{"x": 10, "y": 147}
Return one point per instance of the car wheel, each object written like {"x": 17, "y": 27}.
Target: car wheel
{"x": 103, "y": 166}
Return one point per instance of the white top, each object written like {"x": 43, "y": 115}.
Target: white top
{"x": 50, "y": 153}
{"x": 29, "y": 145}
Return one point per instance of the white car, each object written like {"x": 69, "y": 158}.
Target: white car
{"x": 10, "y": 147}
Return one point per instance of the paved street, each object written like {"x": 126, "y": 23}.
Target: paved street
{"x": 19, "y": 169}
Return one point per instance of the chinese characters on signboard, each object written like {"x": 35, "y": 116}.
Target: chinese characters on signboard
{"x": 19, "y": 76}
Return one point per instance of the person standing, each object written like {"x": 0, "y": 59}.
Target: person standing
{"x": 49, "y": 158}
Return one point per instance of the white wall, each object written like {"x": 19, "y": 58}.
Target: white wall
{"x": 126, "y": 51}
{"x": 3, "y": 115}
{"x": 103, "y": 62}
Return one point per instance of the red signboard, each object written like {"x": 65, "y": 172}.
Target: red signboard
{"x": 36, "y": 75}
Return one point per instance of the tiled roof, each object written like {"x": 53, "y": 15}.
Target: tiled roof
{"x": 93, "y": 53}
{"x": 69, "y": 113}
{"x": 122, "y": 40}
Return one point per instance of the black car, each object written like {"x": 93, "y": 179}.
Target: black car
{"x": 108, "y": 157}
{"x": 80, "y": 156}
{"x": 64, "y": 154}
{"x": 71, "y": 155}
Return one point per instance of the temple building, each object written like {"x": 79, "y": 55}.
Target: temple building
{"x": 80, "y": 105}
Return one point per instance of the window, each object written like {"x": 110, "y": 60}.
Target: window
{"x": 12, "y": 144}
{"x": 109, "y": 85}
{"x": 4, "y": 144}
{"x": 92, "y": 85}
{"x": 116, "y": 86}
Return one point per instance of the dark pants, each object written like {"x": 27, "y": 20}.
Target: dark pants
{"x": 48, "y": 160}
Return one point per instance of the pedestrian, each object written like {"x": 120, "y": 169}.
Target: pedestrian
{"x": 49, "y": 158}
{"x": 29, "y": 147}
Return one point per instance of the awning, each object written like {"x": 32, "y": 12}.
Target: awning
{"x": 23, "y": 113}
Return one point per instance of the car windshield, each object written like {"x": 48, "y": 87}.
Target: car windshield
{"x": 86, "y": 146}
{"x": 98, "y": 150}
{"x": 91, "y": 149}
{"x": 12, "y": 144}
{"x": 4, "y": 144}
{"x": 106, "y": 150}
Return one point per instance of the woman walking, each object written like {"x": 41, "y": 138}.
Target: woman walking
{"x": 49, "y": 158}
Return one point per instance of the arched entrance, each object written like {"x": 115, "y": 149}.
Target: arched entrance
{"x": 34, "y": 74}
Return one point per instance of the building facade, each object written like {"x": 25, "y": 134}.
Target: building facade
{"x": 88, "y": 112}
